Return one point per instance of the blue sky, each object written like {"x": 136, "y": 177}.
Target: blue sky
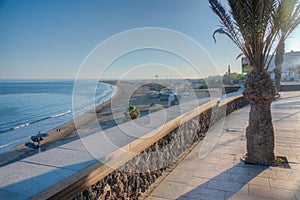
{"x": 49, "y": 39}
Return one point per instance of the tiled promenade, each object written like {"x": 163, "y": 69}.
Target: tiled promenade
{"x": 221, "y": 174}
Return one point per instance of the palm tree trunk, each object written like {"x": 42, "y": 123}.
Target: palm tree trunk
{"x": 278, "y": 64}
{"x": 259, "y": 91}
{"x": 278, "y": 70}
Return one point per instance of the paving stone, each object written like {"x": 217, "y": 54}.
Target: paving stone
{"x": 227, "y": 186}
{"x": 223, "y": 167}
{"x": 235, "y": 170}
{"x": 212, "y": 175}
{"x": 285, "y": 184}
{"x": 168, "y": 189}
{"x": 260, "y": 181}
{"x": 293, "y": 158}
{"x": 180, "y": 176}
{"x": 193, "y": 156}
{"x": 294, "y": 176}
{"x": 206, "y": 166}
{"x": 274, "y": 174}
{"x": 239, "y": 196}
{"x": 250, "y": 179}
{"x": 274, "y": 193}
{"x": 295, "y": 166}
{"x": 198, "y": 182}
{"x": 190, "y": 165}
{"x": 203, "y": 193}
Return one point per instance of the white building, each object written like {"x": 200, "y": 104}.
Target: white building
{"x": 289, "y": 67}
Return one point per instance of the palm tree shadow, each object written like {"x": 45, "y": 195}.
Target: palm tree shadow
{"x": 226, "y": 184}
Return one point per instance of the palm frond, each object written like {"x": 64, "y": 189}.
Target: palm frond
{"x": 287, "y": 18}
{"x": 226, "y": 20}
{"x": 240, "y": 55}
{"x": 257, "y": 26}
{"x": 221, "y": 31}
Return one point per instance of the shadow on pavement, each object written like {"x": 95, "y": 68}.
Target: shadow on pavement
{"x": 228, "y": 183}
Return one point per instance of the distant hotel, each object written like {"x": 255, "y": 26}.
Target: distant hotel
{"x": 290, "y": 67}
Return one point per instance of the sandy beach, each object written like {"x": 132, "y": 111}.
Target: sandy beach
{"x": 108, "y": 114}
{"x": 137, "y": 95}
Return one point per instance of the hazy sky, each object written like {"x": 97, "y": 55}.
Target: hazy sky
{"x": 51, "y": 38}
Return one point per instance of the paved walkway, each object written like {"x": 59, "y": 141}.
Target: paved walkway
{"x": 221, "y": 174}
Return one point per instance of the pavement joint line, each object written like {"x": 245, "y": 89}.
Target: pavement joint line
{"x": 60, "y": 147}
{"x": 47, "y": 165}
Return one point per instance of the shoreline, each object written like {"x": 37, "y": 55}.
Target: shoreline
{"x": 105, "y": 114}
{"x": 67, "y": 133}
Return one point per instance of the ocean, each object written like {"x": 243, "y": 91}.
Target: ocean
{"x": 28, "y": 107}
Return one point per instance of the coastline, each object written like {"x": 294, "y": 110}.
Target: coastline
{"x": 66, "y": 134}
{"x": 138, "y": 93}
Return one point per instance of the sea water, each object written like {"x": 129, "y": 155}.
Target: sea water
{"x": 29, "y": 107}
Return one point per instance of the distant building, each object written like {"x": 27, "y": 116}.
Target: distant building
{"x": 290, "y": 67}
{"x": 228, "y": 71}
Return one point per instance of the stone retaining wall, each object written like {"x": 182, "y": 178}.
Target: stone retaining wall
{"x": 135, "y": 176}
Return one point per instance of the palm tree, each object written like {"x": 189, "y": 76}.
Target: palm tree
{"x": 132, "y": 113}
{"x": 287, "y": 19}
{"x": 254, "y": 26}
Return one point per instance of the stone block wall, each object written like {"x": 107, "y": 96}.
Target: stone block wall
{"x": 135, "y": 176}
